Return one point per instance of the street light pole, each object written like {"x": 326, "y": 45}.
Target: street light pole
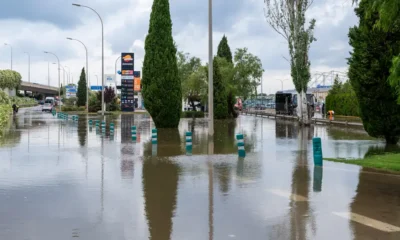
{"x": 210, "y": 72}
{"x": 87, "y": 72}
{"x": 68, "y": 75}
{"x": 282, "y": 80}
{"x": 97, "y": 79}
{"x": 29, "y": 66}
{"x": 59, "y": 87}
{"x": 6, "y": 44}
{"x": 116, "y": 71}
{"x": 102, "y": 54}
{"x": 48, "y": 73}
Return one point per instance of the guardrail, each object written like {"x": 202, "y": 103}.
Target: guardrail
{"x": 262, "y": 113}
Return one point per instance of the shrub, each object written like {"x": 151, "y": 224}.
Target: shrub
{"x": 73, "y": 108}
{"x": 192, "y": 114}
{"x": 5, "y": 111}
{"x": 345, "y": 104}
{"x": 4, "y": 99}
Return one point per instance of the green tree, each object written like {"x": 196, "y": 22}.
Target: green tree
{"x": 82, "y": 87}
{"x": 337, "y": 86}
{"x": 288, "y": 18}
{"x": 9, "y": 79}
{"x": 370, "y": 62}
{"x": 220, "y": 93}
{"x": 162, "y": 91}
{"x": 248, "y": 73}
{"x": 224, "y": 51}
{"x": 227, "y": 72}
{"x": 192, "y": 75}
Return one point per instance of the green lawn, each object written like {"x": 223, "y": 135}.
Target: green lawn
{"x": 387, "y": 162}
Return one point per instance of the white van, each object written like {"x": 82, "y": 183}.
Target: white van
{"x": 48, "y": 104}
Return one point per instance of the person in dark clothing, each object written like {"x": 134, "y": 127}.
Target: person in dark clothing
{"x": 15, "y": 108}
{"x": 323, "y": 110}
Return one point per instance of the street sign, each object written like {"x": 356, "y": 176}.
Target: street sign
{"x": 127, "y": 68}
{"x": 70, "y": 91}
{"x": 95, "y": 88}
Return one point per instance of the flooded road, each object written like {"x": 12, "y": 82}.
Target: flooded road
{"x": 64, "y": 180}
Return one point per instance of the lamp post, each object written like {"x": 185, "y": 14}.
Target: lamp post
{"x": 87, "y": 71}
{"x": 59, "y": 87}
{"x": 48, "y": 73}
{"x": 68, "y": 75}
{"x": 6, "y": 44}
{"x": 210, "y": 72}
{"x": 116, "y": 71}
{"x": 102, "y": 54}
{"x": 97, "y": 77}
{"x": 282, "y": 80}
{"x": 29, "y": 66}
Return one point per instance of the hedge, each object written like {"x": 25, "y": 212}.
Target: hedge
{"x": 345, "y": 104}
{"x": 73, "y": 108}
{"x": 192, "y": 114}
{"x": 5, "y": 111}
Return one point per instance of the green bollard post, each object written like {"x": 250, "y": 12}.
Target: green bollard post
{"x": 240, "y": 144}
{"x": 317, "y": 151}
{"x": 112, "y": 128}
{"x": 154, "y": 136}
{"x": 133, "y": 133}
{"x": 189, "y": 143}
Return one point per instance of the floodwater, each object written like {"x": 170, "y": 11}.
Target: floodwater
{"x": 64, "y": 180}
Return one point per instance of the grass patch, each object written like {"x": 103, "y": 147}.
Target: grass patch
{"x": 387, "y": 162}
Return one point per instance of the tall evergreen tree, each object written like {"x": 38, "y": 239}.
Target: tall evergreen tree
{"x": 224, "y": 51}
{"x": 220, "y": 93}
{"x": 82, "y": 86}
{"x": 162, "y": 91}
{"x": 370, "y": 62}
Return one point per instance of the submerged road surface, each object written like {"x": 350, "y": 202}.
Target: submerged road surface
{"x": 64, "y": 180}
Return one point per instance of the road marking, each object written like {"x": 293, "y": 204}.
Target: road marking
{"x": 368, "y": 221}
{"x": 291, "y": 196}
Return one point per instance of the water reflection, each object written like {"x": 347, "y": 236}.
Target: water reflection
{"x": 82, "y": 131}
{"x": 378, "y": 197}
{"x": 160, "y": 187}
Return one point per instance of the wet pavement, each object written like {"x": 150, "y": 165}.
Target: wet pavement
{"x": 64, "y": 180}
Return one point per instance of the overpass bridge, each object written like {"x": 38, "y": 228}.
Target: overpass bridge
{"x": 36, "y": 88}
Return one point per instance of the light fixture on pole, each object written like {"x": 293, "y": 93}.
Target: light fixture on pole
{"x": 6, "y": 44}
{"x": 102, "y": 54}
{"x": 87, "y": 71}
{"x": 59, "y": 86}
{"x": 29, "y": 66}
{"x": 210, "y": 72}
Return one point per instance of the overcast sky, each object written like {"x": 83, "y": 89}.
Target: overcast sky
{"x": 35, "y": 26}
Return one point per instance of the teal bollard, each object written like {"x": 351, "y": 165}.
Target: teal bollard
{"x": 317, "y": 151}
{"x": 189, "y": 142}
{"x": 112, "y": 128}
{"x": 240, "y": 144}
{"x": 154, "y": 139}
{"x": 134, "y": 133}
{"x": 103, "y": 126}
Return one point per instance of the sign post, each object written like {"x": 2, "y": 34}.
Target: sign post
{"x": 127, "y": 82}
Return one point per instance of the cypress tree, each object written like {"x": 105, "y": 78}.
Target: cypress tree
{"x": 370, "y": 62}
{"x": 81, "y": 92}
{"x": 162, "y": 91}
{"x": 220, "y": 94}
{"x": 224, "y": 51}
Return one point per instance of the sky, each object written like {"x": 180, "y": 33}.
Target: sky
{"x": 35, "y": 26}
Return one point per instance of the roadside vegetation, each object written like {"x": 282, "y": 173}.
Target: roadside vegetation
{"x": 388, "y": 162}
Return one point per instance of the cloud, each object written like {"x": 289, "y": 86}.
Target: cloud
{"x": 38, "y": 25}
